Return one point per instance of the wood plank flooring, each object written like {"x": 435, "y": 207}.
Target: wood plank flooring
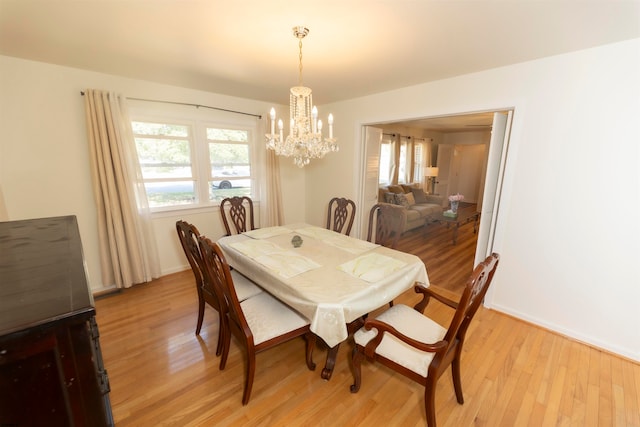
{"x": 448, "y": 265}
{"x": 514, "y": 374}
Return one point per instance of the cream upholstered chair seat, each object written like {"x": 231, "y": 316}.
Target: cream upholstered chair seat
{"x": 411, "y": 323}
{"x": 268, "y": 318}
{"x": 259, "y": 323}
{"x": 245, "y": 288}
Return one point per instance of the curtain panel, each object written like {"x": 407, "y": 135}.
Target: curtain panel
{"x": 128, "y": 252}
{"x": 274, "y": 213}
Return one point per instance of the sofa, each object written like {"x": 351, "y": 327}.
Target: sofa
{"x": 419, "y": 205}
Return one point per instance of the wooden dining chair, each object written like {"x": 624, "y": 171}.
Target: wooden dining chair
{"x": 188, "y": 235}
{"x": 410, "y": 343}
{"x": 387, "y": 222}
{"x": 340, "y": 214}
{"x": 239, "y": 213}
{"x": 258, "y": 323}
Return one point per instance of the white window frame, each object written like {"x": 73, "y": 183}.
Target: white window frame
{"x": 199, "y": 150}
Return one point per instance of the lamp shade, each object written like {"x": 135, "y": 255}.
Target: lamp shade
{"x": 431, "y": 171}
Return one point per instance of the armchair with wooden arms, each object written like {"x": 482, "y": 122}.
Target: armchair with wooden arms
{"x": 410, "y": 343}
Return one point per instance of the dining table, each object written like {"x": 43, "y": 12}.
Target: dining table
{"x": 330, "y": 278}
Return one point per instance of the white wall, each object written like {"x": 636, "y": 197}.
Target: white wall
{"x": 44, "y": 156}
{"x": 569, "y": 256}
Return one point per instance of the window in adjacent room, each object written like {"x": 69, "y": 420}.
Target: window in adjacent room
{"x": 404, "y": 161}
{"x": 418, "y": 162}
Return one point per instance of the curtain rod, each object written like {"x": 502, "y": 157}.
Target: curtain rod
{"x": 409, "y": 137}
{"x": 193, "y": 105}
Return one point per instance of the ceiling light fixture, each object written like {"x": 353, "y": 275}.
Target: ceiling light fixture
{"x": 305, "y": 141}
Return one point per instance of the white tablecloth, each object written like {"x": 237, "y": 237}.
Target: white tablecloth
{"x": 331, "y": 279}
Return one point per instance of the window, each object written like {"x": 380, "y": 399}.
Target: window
{"x": 230, "y": 166}
{"x": 403, "y": 162}
{"x": 384, "y": 174}
{"x": 411, "y": 160}
{"x": 418, "y": 162}
{"x": 179, "y": 169}
{"x": 165, "y": 156}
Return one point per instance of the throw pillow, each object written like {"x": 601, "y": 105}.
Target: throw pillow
{"x": 402, "y": 200}
{"x": 407, "y": 188}
{"x": 389, "y": 198}
{"x": 410, "y": 199}
{"x": 396, "y": 189}
{"x": 419, "y": 196}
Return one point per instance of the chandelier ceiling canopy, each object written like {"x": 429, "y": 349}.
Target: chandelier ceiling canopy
{"x": 305, "y": 140}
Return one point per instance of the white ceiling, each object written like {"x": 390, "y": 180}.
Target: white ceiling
{"x": 246, "y": 48}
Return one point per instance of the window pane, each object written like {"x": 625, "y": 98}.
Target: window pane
{"x": 164, "y": 158}
{"x": 402, "y": 167}
{"x": 219, "y": 190}
{"x": 230, "y": 165}
{"x": 227, "y": 135}
{"x": 227, "y": 155}
{"x": 144, "y": 128}
{"x": 418, "y": 164}
{"x": 385, "y": 160}
{"x": 170, "y": 193}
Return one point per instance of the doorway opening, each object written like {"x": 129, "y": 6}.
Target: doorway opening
{"x": 469, "y": 151}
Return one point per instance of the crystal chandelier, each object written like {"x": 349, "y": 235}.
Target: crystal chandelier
{"x": 305, "y": 141}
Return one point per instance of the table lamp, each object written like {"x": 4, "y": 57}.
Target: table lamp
{"x": 431, "y": 173}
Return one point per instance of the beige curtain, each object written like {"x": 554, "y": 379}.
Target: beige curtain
{"x": 128, "y": 253}
{"x": 274, "y": 212}
{"x": 4, "y": 215}
{"x": 395, "y": 158}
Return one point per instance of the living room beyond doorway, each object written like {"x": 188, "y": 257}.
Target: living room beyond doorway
{"x": 448, "y": 265}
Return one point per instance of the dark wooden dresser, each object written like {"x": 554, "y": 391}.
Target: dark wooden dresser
{"x": 51, "y": 369}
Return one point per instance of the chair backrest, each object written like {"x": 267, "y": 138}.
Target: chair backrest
{"x": 472, "y": 296}
{"x": 217, "y": 274}
{"x": 238, "y": 214}
{"x": 388, "y": 221}
{"x": 188, "y": 235}
{"x": 341, "y": 213}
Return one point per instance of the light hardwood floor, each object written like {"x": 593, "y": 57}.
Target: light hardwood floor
{"x": 513, "y": 373}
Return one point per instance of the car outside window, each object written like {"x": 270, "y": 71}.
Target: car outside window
{"x": 230, "y": 166}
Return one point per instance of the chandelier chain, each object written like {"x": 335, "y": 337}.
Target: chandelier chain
{"x": 300, "y": 63}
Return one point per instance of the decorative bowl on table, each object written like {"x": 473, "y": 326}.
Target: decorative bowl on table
{"x": 296, "y": 241}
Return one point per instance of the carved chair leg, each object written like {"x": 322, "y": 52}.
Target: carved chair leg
{"x": 430, "y": 403}
{"x": 310, "y": 337}
{"x": 356, "y": 359}
{"x": 251, "y": 370}
{"x": 457, "y": 383}
{"x": 221, "y": 333}
{"x": 226, "y": 343}
{"x": 200, "y": 315}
